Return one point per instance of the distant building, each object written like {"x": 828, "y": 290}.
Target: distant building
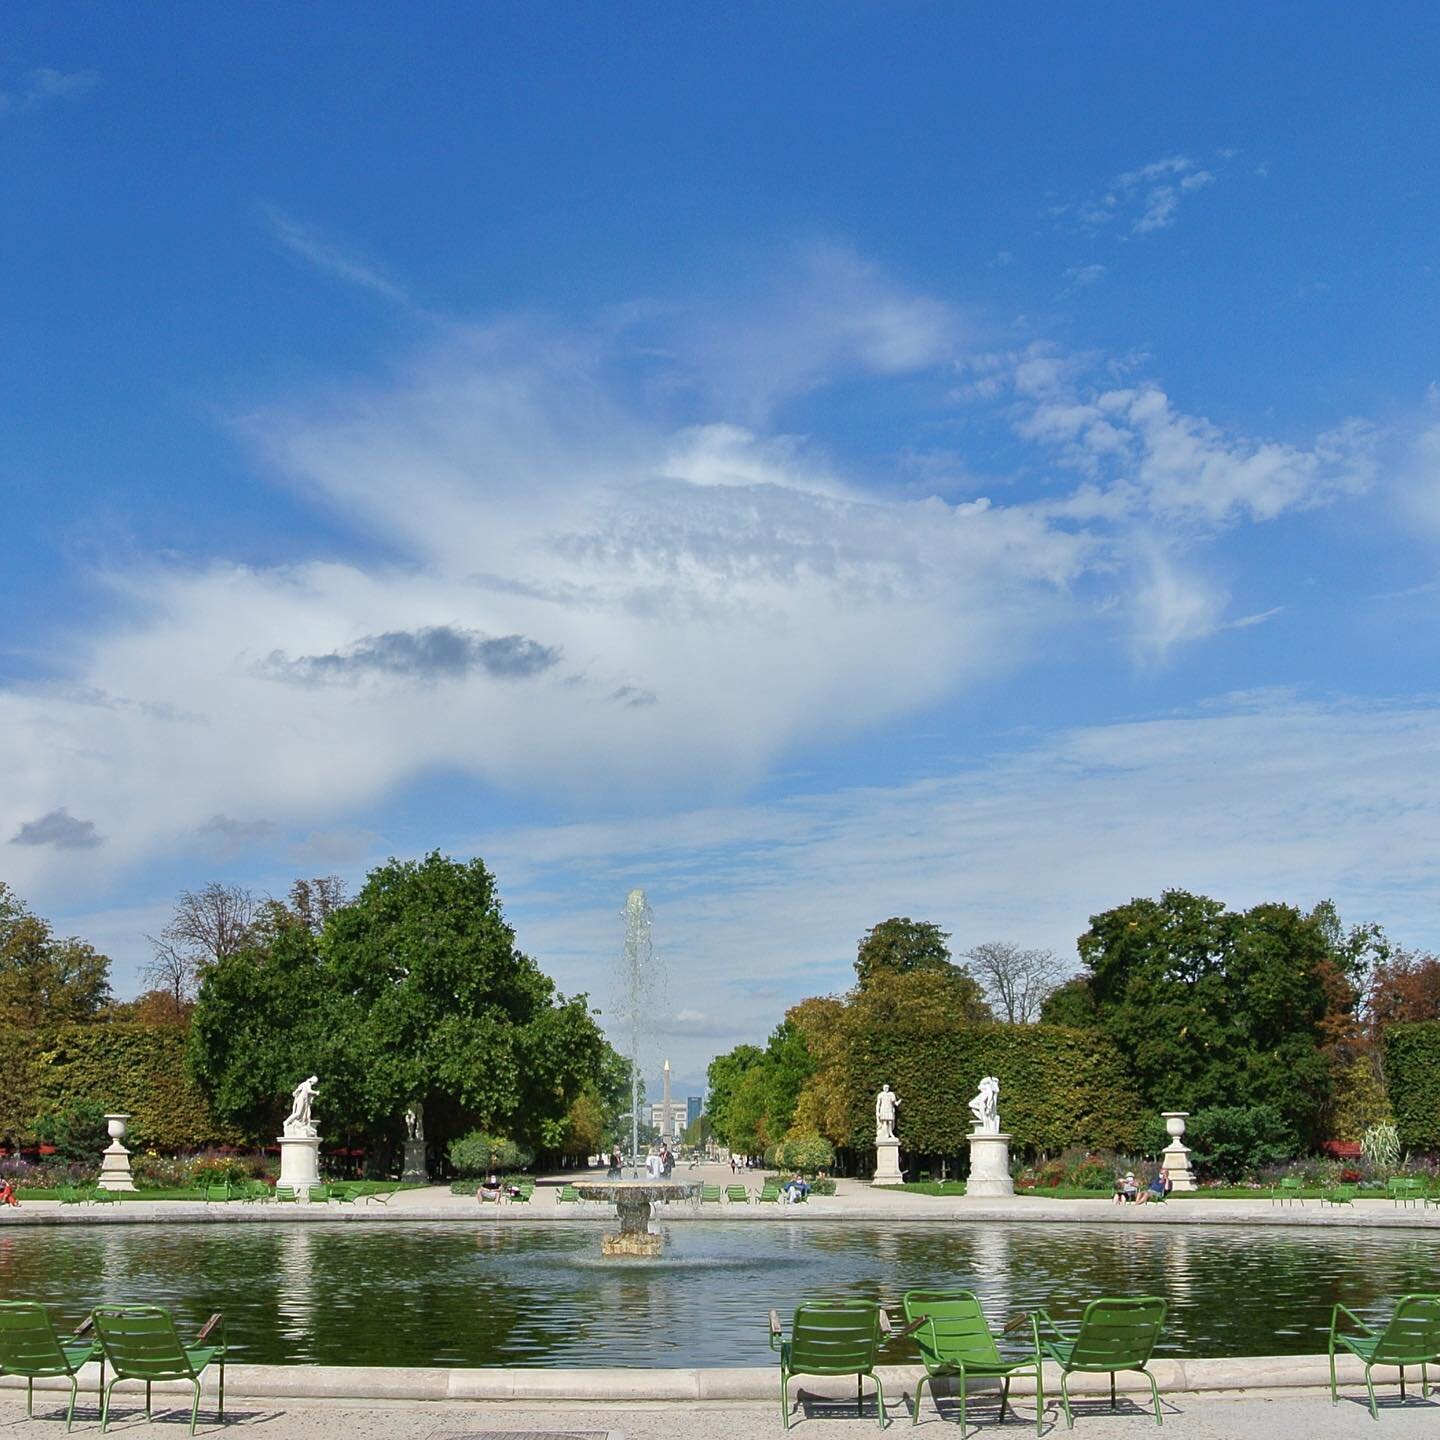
{"x": 694, "y": 1107}
{"x": 670, "y": 1120}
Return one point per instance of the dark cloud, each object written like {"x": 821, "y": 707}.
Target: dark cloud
{"x": 436, "y": 652}
{"x": 633, "y": 697}
{"x": 60, "y": 829}
{"x": 226, "y": 837}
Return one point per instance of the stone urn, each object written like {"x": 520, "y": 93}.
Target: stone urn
{"x": 115, "y": 1161}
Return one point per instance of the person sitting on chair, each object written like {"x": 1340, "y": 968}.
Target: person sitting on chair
{"x": 1125, "y": 1188}
{"x": 7, "y": 1194}
{"x": 490, "y": 1189}
{"x": 1159, "y": 1187}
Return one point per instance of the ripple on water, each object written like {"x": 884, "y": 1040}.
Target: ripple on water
{"x": 488, "y": 1293}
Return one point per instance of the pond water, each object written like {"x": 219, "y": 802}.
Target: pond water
{"x": 482, "y": 1293}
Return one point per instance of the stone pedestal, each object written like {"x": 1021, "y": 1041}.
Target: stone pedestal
{"x": 115, "y": 1160}
{"x": 1175, "y": 1157}
{"x": 300, "y": 1163}
{"x": 414, "y": 1168}
{"x": 887, "y": 1163}
{"x": 989, "y": 1167}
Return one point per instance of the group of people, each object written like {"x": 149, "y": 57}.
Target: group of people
{"x": 660, "y": 1164}
{"x": 1129, "y": 1192}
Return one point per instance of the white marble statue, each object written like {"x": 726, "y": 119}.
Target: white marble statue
{"x": 298, "y": 1123}
{"x": 985, "y": 1107}
{"x": 885, "y": 1103}
{"x": 414, "y": 1121}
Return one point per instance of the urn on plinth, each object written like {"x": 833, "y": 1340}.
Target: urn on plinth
{"x": 1175, "y": 1157}
{"x": 115, "y": 1159}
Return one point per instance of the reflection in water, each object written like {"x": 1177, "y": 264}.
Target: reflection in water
{"x": 482, "y": 1293}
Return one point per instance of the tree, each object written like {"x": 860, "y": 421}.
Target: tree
{"x": 206, "y": 926}
{"x": 900, "y": 945}
{"x": 45, "y": 980}
{"x": 1212, "y": 1007}
{"x": 1404, "y": 988}
{"x": 1017, "y": 981}
{"x": 724, "y": 1077}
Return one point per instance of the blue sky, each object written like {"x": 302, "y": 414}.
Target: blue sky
{"x": 812, "y": 462}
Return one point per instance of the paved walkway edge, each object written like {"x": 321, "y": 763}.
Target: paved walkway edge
{"x": 375, "y": 1382}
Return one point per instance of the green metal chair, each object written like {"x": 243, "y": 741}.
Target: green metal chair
{"x": 1338, "y": 1195}
{"x": 710, "y": 1194}
{"x": 955, "y": 1341}
{"x": 1114, "y": 1334}
{"x": 1412, "y": 1337}
{"x": 218, "y": 1191}
{"x": 769, "y": 1194}
{"x": 141, "y": 1343}
{"x": 568, "y": 1195}
{"x": 1406, "y": 1190}
{"x": 830, "y": 1337}
{"x": 737, "y": 1195}
{"x": 1287, "y": 1192}
{"x": 286, "y": 1194}
{"x": 30, "y": 1347}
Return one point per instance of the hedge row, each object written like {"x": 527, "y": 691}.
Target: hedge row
{"x": 1412, "y": 1078}
{"x": 137, "y": 1069}
{"x": 1058, "y": 1087}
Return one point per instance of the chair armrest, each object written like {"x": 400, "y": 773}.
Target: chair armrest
{"x": 907, "y": 1331}
{"x": 1339, "y": 1310}
{"x": 215, "y": 1323}
{"x": 84, "y": 1328}
{"x": 776, "y": 1333}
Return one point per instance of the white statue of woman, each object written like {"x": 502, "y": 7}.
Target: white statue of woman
{"x": 302, "y": 1098}
{"x": 885, "y": 1103}
{"x": 985, "y": 1107}
{"x": 414, "y": 1121}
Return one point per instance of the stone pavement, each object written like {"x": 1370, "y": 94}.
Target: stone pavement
{"x": 854, "y": 1200}
{"x": 1269, "y": 1415}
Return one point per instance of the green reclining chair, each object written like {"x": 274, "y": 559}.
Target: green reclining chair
{"x": 30, "y": 1347}
{"x": 1114, "y": 1334}
{"x": 141, "y": 1343}
{"x": 830, "y": 1337}
{"x": 1412, "y": 1337}
{"x": 955, "y": 1341}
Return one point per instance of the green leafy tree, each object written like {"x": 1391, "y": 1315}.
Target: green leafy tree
{"x": 44, "y": 980}
{"x": 723, "y": 1078}
{"x": 900, "y": 945}
{"x": 1212, "y": 1007}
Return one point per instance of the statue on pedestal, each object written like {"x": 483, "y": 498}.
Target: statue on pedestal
{"x": 414, "y": 1121}
{"x": 298, "y": 1123}
{"x": 885, "y": 1103}
{"x": 985, "y": 1107}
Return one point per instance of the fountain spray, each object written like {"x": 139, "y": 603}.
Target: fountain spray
{"x": 637, "y": 978}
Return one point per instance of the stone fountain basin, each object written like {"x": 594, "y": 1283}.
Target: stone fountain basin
{"x": 633, "y": 1191}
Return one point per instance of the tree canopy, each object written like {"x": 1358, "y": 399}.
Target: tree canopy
{"x": 45, "y": 980}
{"x": 413, "y": 991}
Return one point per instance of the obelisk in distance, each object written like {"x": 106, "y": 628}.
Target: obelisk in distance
{"x": 667, "y": 1129}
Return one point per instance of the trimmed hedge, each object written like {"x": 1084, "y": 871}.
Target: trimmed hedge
{"x": 1412, "y": 1078}
{"x": 122, "y": 1067}
{"x": 1058, "y": 1087}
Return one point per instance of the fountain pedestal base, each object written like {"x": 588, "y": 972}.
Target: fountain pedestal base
{"x": 989, "y": 1167}
{"x": 629, "y": 1243}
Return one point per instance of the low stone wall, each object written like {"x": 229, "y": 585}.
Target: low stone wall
{"x": 374, "y": 1382}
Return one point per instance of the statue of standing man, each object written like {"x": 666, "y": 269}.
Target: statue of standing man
{"x": 298, "y": 1122}
{"x": 885, "y": 1103}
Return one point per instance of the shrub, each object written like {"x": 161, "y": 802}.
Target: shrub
{"x": 77, "y": 1131}
{"x": 476, "y": 1154}
{"x": 1380, "y": 1145}
{"x": 213, "y": 1169}
{"x": 1412, "y": 1080}
{"x": 805, "y": 1153}
{"x": 1232, "y": 1141}
{"x": 1091, "y": 1173}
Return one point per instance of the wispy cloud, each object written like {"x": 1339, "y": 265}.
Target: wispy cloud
{"x": 335, "y": 260}
{"x": 40, "y": 87}
{"x": 434, "y": 652}
{"x": 1140, "y": 201}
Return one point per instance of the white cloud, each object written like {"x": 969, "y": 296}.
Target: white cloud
{"x": 1253, "y": 797}
{"x": 335, "y": 260}
{"x": 45, "y": 84}
{"x": 588, "y": 602}
{"x": 1142, "y": 200}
